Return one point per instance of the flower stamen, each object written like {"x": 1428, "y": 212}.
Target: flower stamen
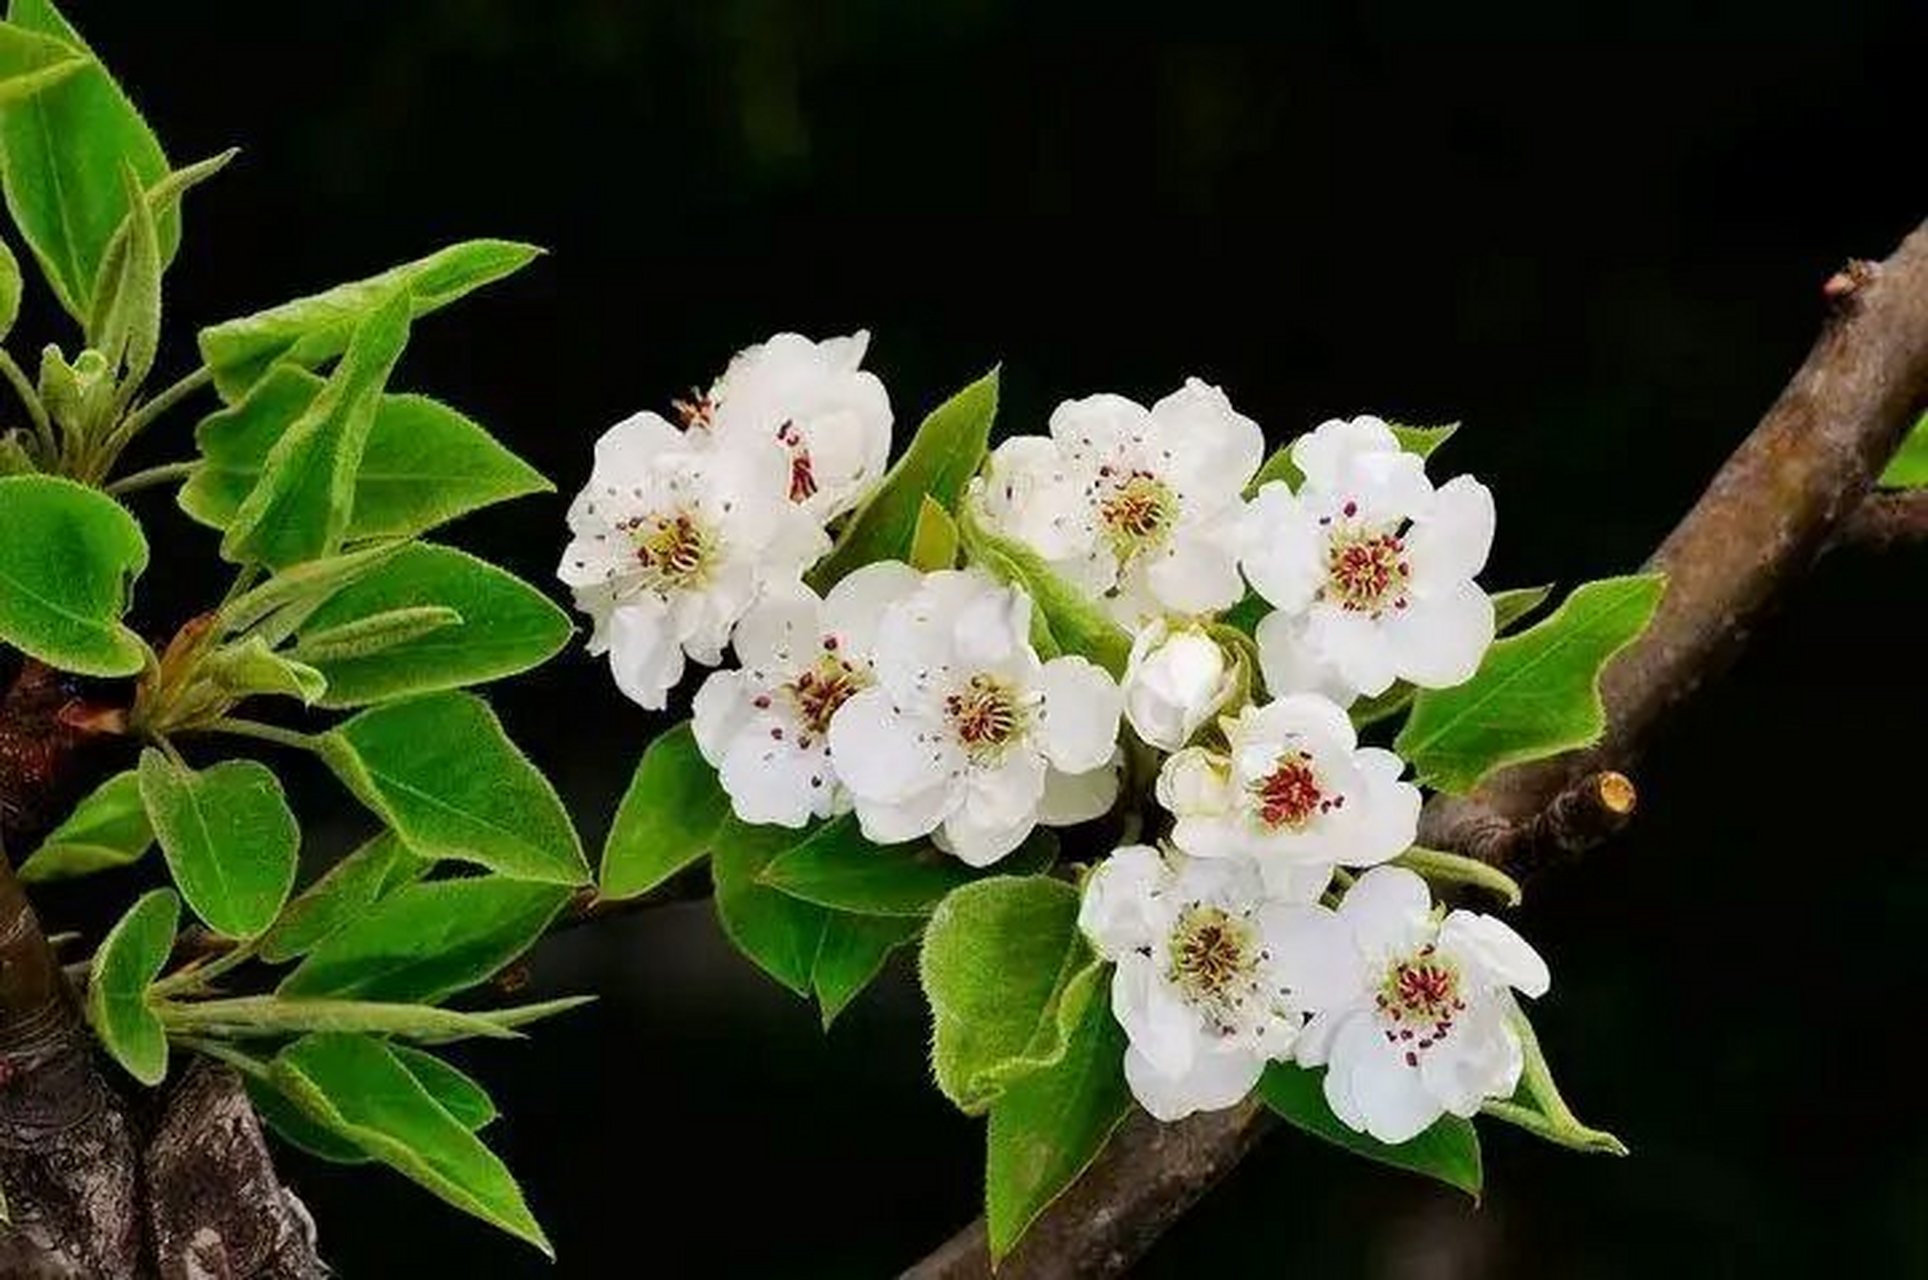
{"x": 1138, "y": 511}
{"x": 1366, "y": 570}
{"x": 816, "y": 693}
{"x": 986, "y": 715}
{"x": 1291, "y": 795}
{"x": 1419, "y": 998}
{"x": 673, "y": 548}
{"x": 1214, "y": 960}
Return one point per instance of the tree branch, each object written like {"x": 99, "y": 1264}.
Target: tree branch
{"x": 1791, "y": 486}
{"x": 1885, "y": 520}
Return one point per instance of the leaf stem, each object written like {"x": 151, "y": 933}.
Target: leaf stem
{"x": 198, "y": 975}
{"x": 265, "y": 732}
{"x": 247, "y": 1064}
{"x": 23, "y": 387}
{"x": 137, "y": 480}
{"x": 1454, "y": 868}
{"x": 134, "y": 423}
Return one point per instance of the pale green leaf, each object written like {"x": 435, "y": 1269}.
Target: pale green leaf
{"x": 276, "y": 1016}
{"x": 290, "y": 596}
{"x": 852, "y": 953}
{"x": 157, "y": 202}
{"x": 1537, "y": 1105}
{"x": 442, "y": 774}
{"x": 10, "y": 289}
{"x": 68, "y": 555}
{"x": 124, "y": 322}
{"x": 458, "y": 1093}
{"x": 129, "y": 960}
{"x": 1536, "y": 694}
{"x": 1908, "y": 469}
{"x": 1447, "y": 1151}
{"x": 668, "y": 818}
{"x": 107, "y": 829}
{"x": 31, "y": 63}
{"x": 230, "y": 839}
{"x": 249, "y": 667}
{"x": 779, "y": 933}
{"x": 1077, "y": 623}
{"x": 521, "y": 1015}
{"x": 312, "y": 330}
{"x": 362, "y": 637}
{"x": 933, "y": 544}
{"x": 341, "y": 896}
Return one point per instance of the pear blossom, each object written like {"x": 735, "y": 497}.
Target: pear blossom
{"x": 1293, "y": 793}
{"x": 813, "y": 402}
{"x": 673, "y": 540}
{"x": 1411, "y": 1013}
{"x": 1143, "y": 508}
{"x": 966, "y": 733}
{"x": 1176, "y": 679}
{"x": 1369, "y": 568}
{"x": 766, "y": 725}
{"x": 1198, "y": 987}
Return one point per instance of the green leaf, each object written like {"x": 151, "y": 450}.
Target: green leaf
{"x": 425, "y": 942}
{"x": 501, "y": 626}
{"x": 299, "y": 509}
{"x": 358, "y": 1089}
{"x": 124, "y": 322}
{"x": 851, "y": 954}
{"x": 68, "y": 555}
{"x": 779, "y": 933}
{"x": 1423, "y": 440}
{"x": 520, "y": 1015}
{"x": 231, "y": 841}
{"x": 1537, "y": 1106}
{"x": 31, "y": 63}
{"x": 291, "y": 595}
{"x": 312, "y": 330}
{"x": 1007, "y": 975}
{"x": 940, "y": 460}
{"x": 933, "y": 544}
{"x": 157, "y": 202}
{"x": 15, "y": 460}
{"x": 1511, "y": 605}
{"x": 1508, "y": 608}
{"x": 1078, "y": 624}
{"x": 1440, "y": 867}
{"x": 1536, "y": 694}
{"x": 459, "y": 1095}
{"x": 443, "y": 775}
{"x": 10, "y": 288}
{"x": 668, "y": 818}
{"x": 277, "y": 1016}
{"x": 61, "y": 155}
{"x": 292, "y": 1125}
{"x": 1048, "y": 1127}
{"x": 107, "y": 829}
{"x": 1908, "y": 469}
{"x": 125, "y": 966}
{"x": 1447, "y": 1151}
{"x": 250, "y": 667}
{"x": 424, "y": 463}
{"x": 376, "y": 632}
{"x": 342, "y": 895}
{"x": 835, "y": 867}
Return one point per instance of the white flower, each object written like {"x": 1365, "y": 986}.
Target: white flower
{"x": 1198, "y": 987}
{"x": 674, "y": 539}
{"x": 1369, "y": 567}
{"x": 1410, "y": 1012}
{"x": 766, "y": 726}
{"x": 1176, "y": 680}
{"x": 1144, "y": 508}
{"x": 1295, "y": 793}
{"x": 966, "y": 733}
{"x": 830, "y": 418}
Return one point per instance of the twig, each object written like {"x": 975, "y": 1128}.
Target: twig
{"x": 1885, "y": 520}
{"x": 1771, "y": 509}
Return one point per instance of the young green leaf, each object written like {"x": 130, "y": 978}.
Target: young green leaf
{"x": 10, "y": 289}
{"x": 342, "y": 895}
{"x": 1048, "y": 1127}
{"x": 1078, "y": 624}
{"x": 31, "y": 63}
{"x": 933, "y": 544}
{"x": 357, "y": 1088}
{"x": 249, "y": 667}
{"x": 1423, "y": 440}
{"x": 668, "y": 818}
{"x": 107, "y": 829}
{"x": 1007, "y": 975}
{"x": 1908, "y": 469}
{"x": 1508, "y": 608}
{"x": 780, "y": 934}
{"x": 503, "y": 626}
{"x": 156, "y": 203}
{"x": 852, "y": 953}
{"x": 231, "y": 841}
{"x": 62, "y": 150}
{"x": 125, "y": 319}
{"x": 459, "y": 1095}
{"x": 425, "y": 942}
{"x": 15, "y": 459}
{"x": 1538, "y": 1107}
{"x": 299, "y": 509}
{"x": 940, "y": 460}
{"x": 835, "y": 867}
{"x": 374, "y": 633}
{"x": 129, "y": 960}
{"x": 424, "y": 463}
{"x": 1536, "y": 694}
{"x": 312, "y": 330}
{"x": 292, "y": 1125}
{"x": 1448, "y": 1151}
{"x": 276, "y": 1016}
{"x": 282, "y": 603}
{"x": 67, "y": 557}
{"x": 521, "y": 1015}
{"x": 442, "y": 774}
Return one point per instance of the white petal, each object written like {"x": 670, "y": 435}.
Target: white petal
{"x": 1219, "y": 1077}
{"x": 1295, "y": 880}
{"x": 1077, "y": 723}
{"x": 886, "y": 756}
{"x": 1387, "y": 910}
{"x": 1307, "y": 717}
{"x": 1385, "y": 488}
{"x": 977, "y": 841}
{"x": 1071, "y": 798}
{"x": 644, "y": 655}
{"x": 1033, "y": 493}
{"x": 895, "y": 821}
{"x": 1324, "y": 452}
{"x": 1117, "y": 912}
{"x": 770, "y": 781}
{"x": 781, "y": 633}
{"x": 1160, "y": 1024}
{"x": 1480, "y": 1059}
{"x": 1314, "y": 955}
{"x": 627, "y": 451}
{"x": 1498, "y": 952}
{"x": 1453, "y": 540}
{"x": 1001, "y": 795}
{"x": 1215, "y": 448}
{"x": 856, "y": 605}
{"x": 1198, "y": 572}
{"x": 1291, "y": 665}
{"x": 719, "y": 712}
{"x": 1355, "y": 645}
{"x": 1388, "y": 1094}
{"x": 1384, "y": 820}
{"x": 1438, "y": 641}
{"x": 1195, "y": 781}
{"x": 1313, "y": 1045}
{"x": 1102, "y": 428}
{"x": 1285, "y": 553}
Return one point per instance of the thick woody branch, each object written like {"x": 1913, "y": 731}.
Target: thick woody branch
{"x": 1779, "y": 500}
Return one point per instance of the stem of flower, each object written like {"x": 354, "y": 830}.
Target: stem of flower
{"x": 23, "y": 387}
{"x": 134, "y": 423}
{"x": 266, "y": 732}
{"x": 1452, "y": 868}
{"x": 198, "y": 976}
{"x": 247, "y": 1064}
{"x": 1554, "y": 1120}
{"x": 152, "y": 476}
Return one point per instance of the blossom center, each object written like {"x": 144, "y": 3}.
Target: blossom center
{"x": 674, "y": 549}
{"x": 1366, "y": 569}
{"x": 986, "y": 715}
{"x": 1214, "y": 960}
{"x": 1419, "y": 998}
{"x": 1291, "y": 795}
{"x": 816, "y": 692}
{"x": 695, "y": 413}
{"x": 803, "y": 479}
{"x": 1138, "y": 510}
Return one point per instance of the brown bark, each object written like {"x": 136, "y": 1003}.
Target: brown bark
{"x": 1780, "y": 499}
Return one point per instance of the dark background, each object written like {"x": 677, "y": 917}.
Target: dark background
{"x": 1603, "y": 255}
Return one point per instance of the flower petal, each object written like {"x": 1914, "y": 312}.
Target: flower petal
{"x": 894, "y": 821}
{"x": 644, "y": 655}
{"x": 1198, "y": 571}
{"x": 1496, "y": 950}
{"x": 720, "y": 711}
{"x": 1438, "y": 641}
{"x": 1387, "y": 910}
{"x": 1323, "y": 453}
{"x": 885, "y": 755}
{"x": 1077, "y": 722}
{"x": 780, "y": 634}
{"x": 1390, "y": 1097}
{"x": 1160, "y": 1024}
{"x": 1220, "y": 1076}
{"x": 1285, "y": 550}
{"x": 1454, "y": 539}
{"x": 769, "y": 780}
{"x": 856, "y": 605}
{"x": 1117, "y": 912}
{"x": 1215, "y": 449}
{"x": 1481, "y": 1059}
{"x": 1291, "y": 665}
{"x": 1071, "y": 798}
{"x": 1385, "y": 821}
{"x": 1314, "y": 956}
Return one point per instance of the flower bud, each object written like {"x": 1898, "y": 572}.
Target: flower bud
{"x": 1176, "y": 680}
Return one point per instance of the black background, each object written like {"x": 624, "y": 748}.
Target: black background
{"x": 1602, "y": 254}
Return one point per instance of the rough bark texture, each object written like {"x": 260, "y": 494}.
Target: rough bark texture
{"x": 97, "y": 1184}
{"x": 1779, "y": 501}
{"x": 1886, "y": 520}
